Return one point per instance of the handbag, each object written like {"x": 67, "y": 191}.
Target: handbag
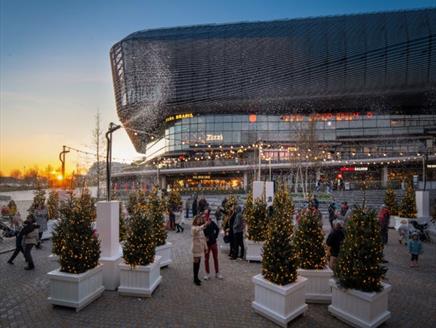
{"x": 226, "y": 239}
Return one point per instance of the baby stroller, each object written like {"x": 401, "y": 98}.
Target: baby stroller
{"x": 421, "y": 229}
{"x": 7, "y": 231}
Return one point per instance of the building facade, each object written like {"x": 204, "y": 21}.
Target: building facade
{"x": 336, "y": 100}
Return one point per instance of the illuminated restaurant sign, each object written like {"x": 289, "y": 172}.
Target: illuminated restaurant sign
{"x": 178, "y": 117}
{"x": 325, "y": 117}
{"x": 354, "y": 169}
{"x": 214, "y": 137}
{"x": 201, "y": 177}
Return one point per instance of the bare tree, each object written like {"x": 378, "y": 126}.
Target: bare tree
{"x": 16, "y": 173}
{"x": 97, "y": 141}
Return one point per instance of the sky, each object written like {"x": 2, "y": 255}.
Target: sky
{"x": 55, "y": 72}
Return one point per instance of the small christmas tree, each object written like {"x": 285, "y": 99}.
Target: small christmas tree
{"x": 174, "y": 201}
{"x": 155, "y": 211}
{"x": 358, "y": 265}
{"x": 80, "y": 248}
{"x": 122, "y": 224}
{"x": 65, "y": 210}
{"x": 391, "y": 201}
{"x": 139, "y": 248}
{"x": 255, "y": 217}
{"x": 309, "y": 241}
{"x": 53, "y": 205}
{"x": 38, "y": 199}
{"x": 136, "y": 198}
{"x": 408, "y": 203}
{"x": 88, "y": 203}
{"x": 280, "y": 262}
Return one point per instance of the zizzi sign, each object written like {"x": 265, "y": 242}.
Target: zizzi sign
{"x": 214, "y": 137}
{"x": 178, "y": 117}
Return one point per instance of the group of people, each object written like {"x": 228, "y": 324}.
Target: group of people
{"x": 29, "y": 235}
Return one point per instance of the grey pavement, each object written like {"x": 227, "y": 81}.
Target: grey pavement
{"x": 217, "y": 303}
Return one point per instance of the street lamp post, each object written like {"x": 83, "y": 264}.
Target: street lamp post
{"x": 112, "y": 128}
{"x": 62, "y": 159}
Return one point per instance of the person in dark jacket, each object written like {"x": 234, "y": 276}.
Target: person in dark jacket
{"x": 194, "y": 206}
{"x": 228, "y": 230}
{"x": 334, "y": 241}
{"x": 238, "y": 233}
{"x": 332, "y": 213}
{"x": 18, "y": 244}
{"x": 203, "y": 205}
{"x": 211, "y": 233}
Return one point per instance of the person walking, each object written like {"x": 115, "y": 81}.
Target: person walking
{"x": 199, "y": 245}
{"x": 194, "y": 206}
{"x": 187, "y": 207}
{"x": 30, "y": 235}
{"x": 415, "y": 249}
{"x": 334, "y": 242}
{"x": 41, "y": 217}
{"x": 383, "y": 218}
{"x": 211, "y": 233}
{"x": 18, "y": 244}
{"x": 238, "y": 233}
{"x": 178, "y": 217}
{"x": 228, "y": 230}
{"x": 332, "y": 213}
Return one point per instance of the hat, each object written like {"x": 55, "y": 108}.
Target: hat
{"x": 403, "y": 222}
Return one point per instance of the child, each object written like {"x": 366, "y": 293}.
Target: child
{"x": 403, "y": 231}
{"x": 415, "y": 248}
{"x": 178, "y": 221}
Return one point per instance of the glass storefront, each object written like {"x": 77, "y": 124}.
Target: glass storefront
{"x": 207, "y": 182}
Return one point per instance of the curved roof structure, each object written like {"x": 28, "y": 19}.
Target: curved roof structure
{"x": 380, "y": 61}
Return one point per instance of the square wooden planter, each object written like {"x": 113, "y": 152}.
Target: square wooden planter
{"x": 360, "y": 309}
{"x": 141, "y": 280}
{"x": 318, "y": 289}
{"x": 166, "y": 254}
{"x": 280, "y": 304}
{"x": 253, "y": 250}
{"x": 75, "y": 290}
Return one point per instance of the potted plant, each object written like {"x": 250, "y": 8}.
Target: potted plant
{"x": 140, "y": 271}
{"x": 359, "y": 295}
{"x": 156, "y": 208}
{"x": 79, "y": 280}
{"x": 279, "y": 291}
{"x": 309, "y": 245}
{"x": 255, "y": 217}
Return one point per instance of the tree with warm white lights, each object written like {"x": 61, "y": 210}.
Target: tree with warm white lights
{"x": 358, "y": 265}
{"x": 255, "y": 218}
{"x": 156, "y": 208}
{"x": 280, "y": 261}
{"x": 80, "y": 247}
{"x": 309, "y": 240}
{"x": 136, "y": 198}
{"x": 390, "y": 201}
{"x": 53, "y": 205}
{"x": 139, "y": 248}
{"x": 408, "y": 202}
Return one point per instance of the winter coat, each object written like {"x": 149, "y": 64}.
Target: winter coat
{"x": 238, "y": 224}
{"x": 199, "y": 244}
{"x": 383, "y": 217}
{"x": 415, "y": 247}
{"x": 334, "y": 241}
{"x": 30, "y": 233}
{"x": 211, "y": 233}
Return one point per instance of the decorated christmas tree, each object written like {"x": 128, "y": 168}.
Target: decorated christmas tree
{"x": 80, "y": 249}
{"x": 174, "y": 201}
{"x": 139, "y": 248}
{"x": 280, "y": 262}
{"x": 358, "y": 265}
{"x": 88, "y": 203}
{"x": 136, "y": 198}
{"x": 255, "y": 217}
{"x": 53, "y": 205}
{"x": 309, "y": 241}
{"x": 65, "y": 210}
{"x": 408, "y": 202}
{"x": 391, "y": 201}
{"x": 122, "y": 224}
{"x": 38, "y": 199}
{"x": 155, "y": 211}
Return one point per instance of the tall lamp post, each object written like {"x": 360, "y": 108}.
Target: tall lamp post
{"x": 62, "y": 159}
{"x": 112, "y": 128}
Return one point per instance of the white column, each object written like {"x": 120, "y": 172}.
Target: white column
{"x": 385, "y": 176}
{"x": 422, "y": 203}
{"x": 245, "y": 181}
{"x": 108, "y": 232}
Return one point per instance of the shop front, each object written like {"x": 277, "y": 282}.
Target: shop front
{"x": 207, "y": 182}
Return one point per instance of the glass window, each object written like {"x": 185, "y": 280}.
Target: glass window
{"x": 369, "y": 123}
{"x": 236, "y": 138}
{"x": 273, "y": 126}
{"x": 245, "y": 126}
{"x": 236, "y": 126}
{"x": 383, "y": 123}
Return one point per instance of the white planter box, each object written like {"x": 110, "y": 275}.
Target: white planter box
{"x": 281, "y": 304}
{"x": 318, "y": 288}
{"x": 166, "y": 254}
{"x": 360, "y": 309}
{"x": 253, "y": 250}
{"x": 75, "y": 290}
{"x": 141, "y": 280}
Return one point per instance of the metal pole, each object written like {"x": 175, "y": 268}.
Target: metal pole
{"x": 270, "y": 169}
{"x": 62, "y": 159}
{"x": 112, "y": 128}
{"x": 424, "y": 170}
{"x": 260, "y": 162}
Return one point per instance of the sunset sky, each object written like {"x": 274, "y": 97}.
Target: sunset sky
{"x": 55, "y": 72}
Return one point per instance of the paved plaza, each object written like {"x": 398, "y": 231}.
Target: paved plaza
{"x": 217, "y": 303}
